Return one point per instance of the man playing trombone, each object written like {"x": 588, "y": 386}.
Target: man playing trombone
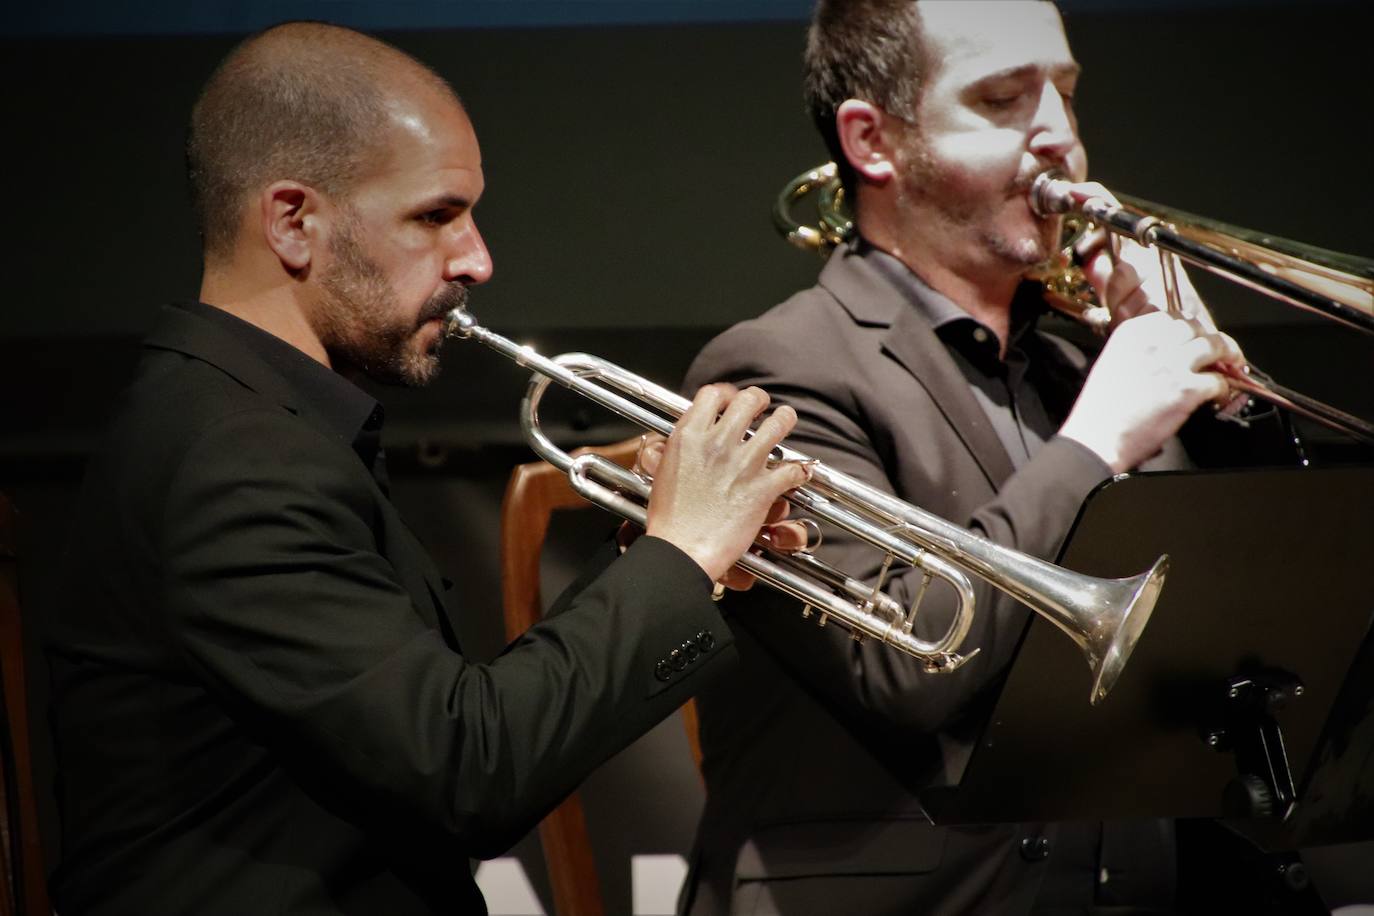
{"x": 915, "y": 365}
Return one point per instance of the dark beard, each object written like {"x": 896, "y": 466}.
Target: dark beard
{"x": 361, "y": 334}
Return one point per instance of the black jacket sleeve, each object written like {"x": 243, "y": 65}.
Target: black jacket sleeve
{"x": 281, "y": 600}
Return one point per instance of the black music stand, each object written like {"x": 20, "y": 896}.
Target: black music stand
{"x": 1268, "y": 589}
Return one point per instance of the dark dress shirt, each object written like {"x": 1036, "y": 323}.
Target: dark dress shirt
{"x": 1008, "y": 389}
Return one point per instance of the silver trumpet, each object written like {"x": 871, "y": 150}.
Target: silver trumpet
{"x": 1104, "y": 617}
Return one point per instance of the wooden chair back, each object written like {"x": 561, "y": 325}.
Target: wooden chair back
{"x": 535, "y": 491}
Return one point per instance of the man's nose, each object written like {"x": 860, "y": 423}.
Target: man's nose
{"x": 469, "y": 261}
{"x": 1053, "y": 131}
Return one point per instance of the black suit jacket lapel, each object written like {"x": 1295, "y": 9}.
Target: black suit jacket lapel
{"x": 872, "y": 300}
{"x": 184, "y": 332}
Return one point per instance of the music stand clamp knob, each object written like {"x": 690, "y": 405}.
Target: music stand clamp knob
{"x": 1263, "y": 786}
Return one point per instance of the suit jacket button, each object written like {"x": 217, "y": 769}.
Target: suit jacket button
{"x": 1035, "y": 848}
{"x": 705, "y": 640}
{"x": 677, "y": 659}
{"x": 690, "y": 648}
{"x": 662, "y": 670}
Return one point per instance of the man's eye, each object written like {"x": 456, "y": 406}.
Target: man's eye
{"x": 1001, "y": 101}
{"x": 436, "y": 217}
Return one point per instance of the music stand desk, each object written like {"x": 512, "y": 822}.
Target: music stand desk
{"x": 1268, "y": 570}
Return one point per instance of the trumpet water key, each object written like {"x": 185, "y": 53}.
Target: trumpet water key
{"x": 1104, "y": 617}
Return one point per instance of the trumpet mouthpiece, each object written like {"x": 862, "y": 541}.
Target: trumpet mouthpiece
{"x": 459, "y": 323}
{"x": 1050, "y": 193}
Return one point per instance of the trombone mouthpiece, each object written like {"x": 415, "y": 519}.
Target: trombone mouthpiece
{"x": 1050, "y": 194}
{"x": 459, "y": 323}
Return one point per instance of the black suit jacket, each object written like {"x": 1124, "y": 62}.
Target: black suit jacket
{"x": 816, "y": 745}
{"x": 260, "y": 705}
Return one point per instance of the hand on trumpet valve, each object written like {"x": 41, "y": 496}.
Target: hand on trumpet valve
{"x": 714, "y": 491}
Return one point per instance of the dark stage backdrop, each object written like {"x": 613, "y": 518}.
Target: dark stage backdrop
{"x": 631, "y": 159}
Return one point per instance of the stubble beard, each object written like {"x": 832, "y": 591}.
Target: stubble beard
{"x": 363, "y": 323}
{"x": 927, "y": 185}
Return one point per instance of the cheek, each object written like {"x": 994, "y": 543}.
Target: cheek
{"x": 417, "y": 276}
{"x": 1078, "y": 163}
{"x": 982, "y": 159}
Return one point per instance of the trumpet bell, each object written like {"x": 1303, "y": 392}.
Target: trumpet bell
{"x": 1108, "y": 638}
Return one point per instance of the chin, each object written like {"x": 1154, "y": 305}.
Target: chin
{"x": 417, "y": 368}
{"x": 1022, "y": 252}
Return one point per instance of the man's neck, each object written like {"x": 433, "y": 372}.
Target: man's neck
{"x": 271, "y": 307}
{"x": 985, "y": 295}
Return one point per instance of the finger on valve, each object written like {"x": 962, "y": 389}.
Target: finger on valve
{"x": 783, "y": 536}
{"x": 705, "y": 407}
{"x": 714, "y": 488}
{"x": 649, "y": 454}
{"x": 737, "y": 417}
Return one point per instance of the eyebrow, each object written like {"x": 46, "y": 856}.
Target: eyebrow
{"x": 446, "y": 201}
{"x": 1025, "y": 70}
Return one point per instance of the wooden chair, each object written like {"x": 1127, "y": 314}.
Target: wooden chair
{"x": 534, "y": 492}
{"x": 24, "y": 891}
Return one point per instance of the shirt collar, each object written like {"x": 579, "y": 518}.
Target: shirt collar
{"x": 942, "y": 313}
{"x": 344, "y": 409}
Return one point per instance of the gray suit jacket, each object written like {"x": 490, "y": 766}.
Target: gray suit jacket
{"x": 816, "y": 745}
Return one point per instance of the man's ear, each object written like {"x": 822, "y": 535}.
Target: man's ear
{"x": 291, "y": 222}
{"x": 864, "y": 130}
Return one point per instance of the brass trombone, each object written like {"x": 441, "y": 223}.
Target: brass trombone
{"x": 1104, "y": 617}
{"x": 1337, "y": 286}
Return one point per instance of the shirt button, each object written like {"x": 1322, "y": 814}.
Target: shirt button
{"x": 662, "y": 671}
{"x": 1035, "y": 848}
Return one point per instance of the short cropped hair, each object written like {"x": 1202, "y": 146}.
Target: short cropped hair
{"x": 871, "y": 50}
{"x": 304, "y": 101}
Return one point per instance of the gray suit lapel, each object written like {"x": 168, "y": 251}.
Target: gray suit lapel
{"x": 872, "y": 300}
{"x": 914, "y": 345}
